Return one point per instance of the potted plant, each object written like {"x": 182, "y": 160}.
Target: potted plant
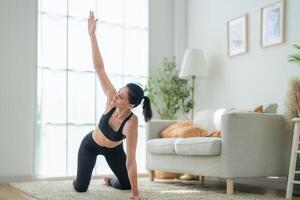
{"x": 168, "y": 93}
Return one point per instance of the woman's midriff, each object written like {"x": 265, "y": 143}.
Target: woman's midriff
{"x": 101, "y": 140}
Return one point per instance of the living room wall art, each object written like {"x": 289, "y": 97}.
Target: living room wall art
{"x": 272, "y": 24}
{"x": 237, "y": 35}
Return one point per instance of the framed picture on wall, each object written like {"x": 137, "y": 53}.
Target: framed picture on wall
{"x": 237, "y": 35}
{"x": 272, "y": 24}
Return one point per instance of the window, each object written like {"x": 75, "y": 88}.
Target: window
{"x": 70, "y": 98}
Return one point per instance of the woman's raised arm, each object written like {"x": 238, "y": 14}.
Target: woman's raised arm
{"x": 108, "y": 88}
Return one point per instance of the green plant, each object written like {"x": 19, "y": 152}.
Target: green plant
{"x": 168, "y": 93}
{"x": 295, "y": 57}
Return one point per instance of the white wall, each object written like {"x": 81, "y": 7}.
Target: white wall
{"x": 258, "y": 77}
{"x": 160, "y": 32}
{"x": 160, "y": 36}
{"x": 18, "y": 50}
{"x": 167, "y": 34}
{"x": 167, "y": 31}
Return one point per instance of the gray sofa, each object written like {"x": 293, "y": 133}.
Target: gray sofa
{"x": 252, "y": 145}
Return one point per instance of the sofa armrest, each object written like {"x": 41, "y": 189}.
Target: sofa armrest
{"x": 254, "y": 145}
{"x": 153, "y": 127}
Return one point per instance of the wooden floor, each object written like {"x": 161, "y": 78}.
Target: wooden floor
{"x": 249, "y": 186}
{"x": 9, "y": 193}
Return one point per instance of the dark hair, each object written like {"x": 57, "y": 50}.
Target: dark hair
{"x": 135, "y": 96}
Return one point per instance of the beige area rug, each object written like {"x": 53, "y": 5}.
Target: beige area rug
{"x": 158, "y": 190}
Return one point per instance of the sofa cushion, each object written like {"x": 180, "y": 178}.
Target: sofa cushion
{"x": 204, "y": 146}
{"x": 161, "y": 145}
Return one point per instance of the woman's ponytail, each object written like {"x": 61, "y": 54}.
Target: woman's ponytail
{"x": 147, "y": 112}
{"x": 136, "y": 96}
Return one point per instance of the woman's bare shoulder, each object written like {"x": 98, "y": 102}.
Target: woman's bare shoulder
{"x": 132, "y": 121}
{"x": 131, "y": 126}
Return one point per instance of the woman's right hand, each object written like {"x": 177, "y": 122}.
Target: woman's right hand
{"x": 92, "y": 22}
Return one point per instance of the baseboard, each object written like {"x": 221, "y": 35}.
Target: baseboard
{"x": 7, "y": 179}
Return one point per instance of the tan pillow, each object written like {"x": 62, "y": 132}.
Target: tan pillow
{"x": 258, "y": 109}
{"x": 187, "y": 131}
{"x": 165, "y": 133}
{"x": 215, "y": 133}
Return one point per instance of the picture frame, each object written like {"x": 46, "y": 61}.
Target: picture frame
{"x": 237, "y": 35}
{"x": 272, "y": 24}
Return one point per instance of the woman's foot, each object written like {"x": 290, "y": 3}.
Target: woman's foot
{"x": 106, "y": 180}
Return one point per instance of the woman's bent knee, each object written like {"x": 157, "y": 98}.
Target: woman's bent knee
{"x": 79, "y": 188}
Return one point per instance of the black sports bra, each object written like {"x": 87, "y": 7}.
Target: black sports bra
{"x": 107, "y": 130}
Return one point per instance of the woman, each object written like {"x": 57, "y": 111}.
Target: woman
{"x": 116, "y": 124}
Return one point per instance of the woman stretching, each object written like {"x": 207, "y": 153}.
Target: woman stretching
{"x": 116, "y": 124}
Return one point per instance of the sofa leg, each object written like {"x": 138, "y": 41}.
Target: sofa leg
{"x": 151, "y": 175}
{"x": 229, "y": 186}
{"x": 202, "y": 179}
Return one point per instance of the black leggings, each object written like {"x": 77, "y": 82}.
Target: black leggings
{"x": 87, "y": 155}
